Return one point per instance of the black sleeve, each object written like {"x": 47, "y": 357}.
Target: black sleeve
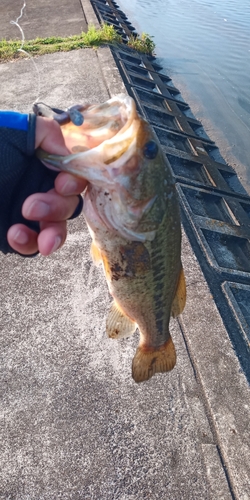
{"x": 21, "y": 174}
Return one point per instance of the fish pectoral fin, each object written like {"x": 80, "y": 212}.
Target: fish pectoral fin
{"x": 148, "y": 361}
{"x": 180, "y": 296}
{"x": 95, "y": 254}
{"x": 118, "y": 325}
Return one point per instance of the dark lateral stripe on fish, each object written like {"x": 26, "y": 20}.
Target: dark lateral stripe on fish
{"x": 159, "y": 278}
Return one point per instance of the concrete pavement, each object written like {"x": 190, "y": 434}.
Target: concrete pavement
{"x": 42, "y": 18}
{"x": 73, "y": 423}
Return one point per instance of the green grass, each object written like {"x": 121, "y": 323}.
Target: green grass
{"x": 143, "y": 43}
{"x": 106, "y": 34}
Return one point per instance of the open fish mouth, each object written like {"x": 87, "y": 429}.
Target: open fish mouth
{"x": 110, "y": 144}
{"x": 102, "y": 145}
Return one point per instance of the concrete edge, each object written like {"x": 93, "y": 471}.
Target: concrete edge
{"x": 89, "y": 13}
{"x": 111, "y": 74}
{"x": 110, "y": 71}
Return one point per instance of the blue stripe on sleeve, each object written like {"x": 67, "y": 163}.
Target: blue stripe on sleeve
{"x": 12, "y": 119}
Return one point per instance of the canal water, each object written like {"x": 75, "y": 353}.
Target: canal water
{"x": 204, "y": 46}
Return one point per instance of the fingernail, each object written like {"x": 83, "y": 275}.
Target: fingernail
{"x": 38, "y": 209}
{"x": 70, "y": 187}
{"x": 57, "y": 244}
{"x": 21, "y": 237}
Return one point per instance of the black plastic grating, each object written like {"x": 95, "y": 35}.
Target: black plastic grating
{"x": 238, "y": 297}
{"x": 200, "y": 169}
{"x": 108, "y": 12}
{"x": 215, "y": 206}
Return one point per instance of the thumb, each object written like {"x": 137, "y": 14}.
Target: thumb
{"x": 49, "y": 136}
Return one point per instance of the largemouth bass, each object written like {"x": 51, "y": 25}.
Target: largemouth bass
{"x": 132, "y": 212}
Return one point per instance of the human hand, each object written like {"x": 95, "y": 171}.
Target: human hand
{"x": 51, "y": 209}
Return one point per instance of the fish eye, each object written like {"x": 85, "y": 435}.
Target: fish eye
{"x": 150, "y": 150}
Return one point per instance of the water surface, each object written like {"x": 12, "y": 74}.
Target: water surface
{"x": 204, "y": 46}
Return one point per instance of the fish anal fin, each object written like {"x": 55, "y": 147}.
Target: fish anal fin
{"x": 118, "y": 325}
{"x": 180, "y": 296}
{"x": 148, "y": 361}
{"x": 95, "y": 254}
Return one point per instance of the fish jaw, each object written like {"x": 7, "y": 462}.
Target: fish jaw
{"x": 92, "y": 169}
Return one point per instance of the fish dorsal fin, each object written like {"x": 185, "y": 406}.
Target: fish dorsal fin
{"x": 118, "y": 325}
{"x": 95, "y": 254}
{"x": 180, "y": 296}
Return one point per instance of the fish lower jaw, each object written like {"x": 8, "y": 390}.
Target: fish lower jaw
{"x": 151, "y": 360}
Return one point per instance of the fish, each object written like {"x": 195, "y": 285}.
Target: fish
{"x": 132, "y": 212}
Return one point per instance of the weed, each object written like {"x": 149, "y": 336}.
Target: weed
{"x": 106, "y": 34}
{"x": 143, "y": 43}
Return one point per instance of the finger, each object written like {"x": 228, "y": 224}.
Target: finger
{"x": 49, "y": 136}
{"x": 67, "y": 184}
{"x": 49, "y": 206}
{"x": 51, "y": 237}
{"x": 22, "y": 239}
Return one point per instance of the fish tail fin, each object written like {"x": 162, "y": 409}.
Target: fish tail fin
{"x": 148, "y": 361}
{"x": 118, "y": 325}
